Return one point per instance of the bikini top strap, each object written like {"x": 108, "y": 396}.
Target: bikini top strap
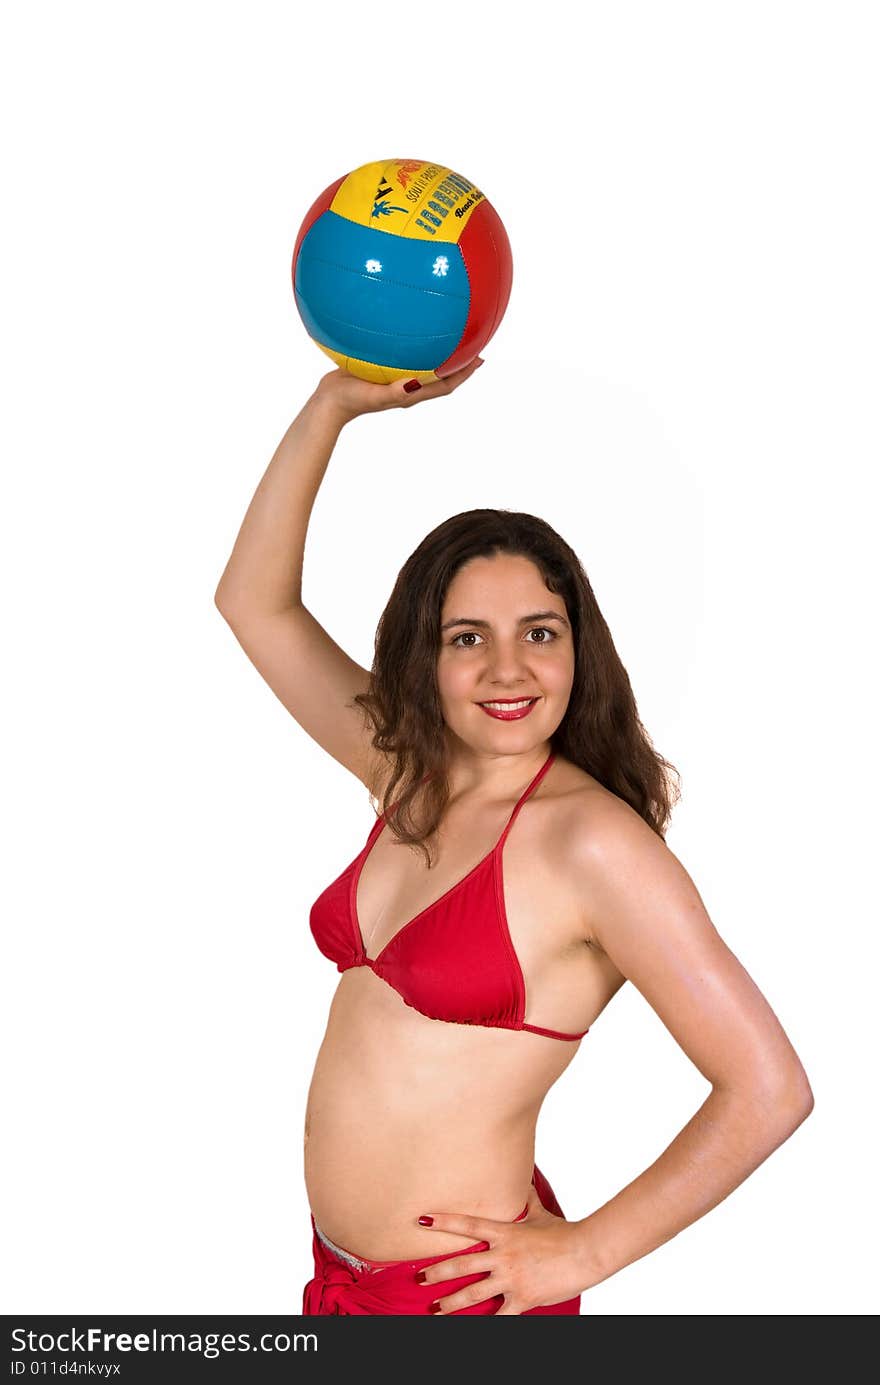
{"x": 525, "y": 794}
{"x": 382, "y": 818}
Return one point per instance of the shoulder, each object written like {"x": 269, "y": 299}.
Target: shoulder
{"x": 592, "y": 816}
{"x": 601, "y": 828}
{"x": 592, "y": 819}
{"x": 606, "y": 848}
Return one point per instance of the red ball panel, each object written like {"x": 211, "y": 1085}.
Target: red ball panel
{"x": 485, "y": 249}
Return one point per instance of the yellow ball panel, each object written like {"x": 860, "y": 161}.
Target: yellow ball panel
{"x": 378, "y": 374}
{"x": 408, "y": 197}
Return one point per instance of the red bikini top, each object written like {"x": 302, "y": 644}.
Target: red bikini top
{"x": 455, "y": 959}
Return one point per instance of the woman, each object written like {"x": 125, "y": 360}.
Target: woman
{"x": 516, "y": 877}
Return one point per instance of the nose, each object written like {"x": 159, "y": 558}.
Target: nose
{"x": 508, "y": 665}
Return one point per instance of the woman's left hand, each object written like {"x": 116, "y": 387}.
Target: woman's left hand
{"x": 533, "y": 1262}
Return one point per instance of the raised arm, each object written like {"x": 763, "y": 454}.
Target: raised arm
{"x": 260, "y": 592}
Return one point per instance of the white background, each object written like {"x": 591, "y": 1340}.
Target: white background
{"x": 684, "y": 385}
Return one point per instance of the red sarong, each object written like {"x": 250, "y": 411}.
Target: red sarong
{"x": 339, "y": 1288}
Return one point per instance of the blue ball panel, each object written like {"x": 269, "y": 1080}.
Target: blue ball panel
{"x": 379, "y": 297}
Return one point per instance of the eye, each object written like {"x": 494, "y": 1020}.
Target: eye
{"x": 472, "y": 634}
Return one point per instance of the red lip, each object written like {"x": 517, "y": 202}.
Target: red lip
{"x": 508, "y": 716}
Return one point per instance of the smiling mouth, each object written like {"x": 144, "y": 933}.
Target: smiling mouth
{"x": 508, "y": 705}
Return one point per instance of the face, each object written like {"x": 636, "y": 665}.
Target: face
{"x": 504, "y": 639}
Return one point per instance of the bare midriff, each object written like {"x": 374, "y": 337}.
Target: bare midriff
{"x": 408, "y": 1116}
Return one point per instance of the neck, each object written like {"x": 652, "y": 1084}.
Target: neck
{"x": 493, "y": 775}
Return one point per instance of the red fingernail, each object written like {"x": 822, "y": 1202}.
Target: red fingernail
{"x": 412, "y": 385}
{"x": 422, "y": 1277}
{"x": 435, "y": 1308}
{"x": 426, "y": 1221}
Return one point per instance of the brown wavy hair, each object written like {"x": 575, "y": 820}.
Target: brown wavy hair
{"x": 601, "y": 730}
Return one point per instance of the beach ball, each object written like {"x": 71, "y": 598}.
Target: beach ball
{"x": 402, "y": 268}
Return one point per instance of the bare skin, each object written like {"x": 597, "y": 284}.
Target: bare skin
{"x": 405, "y": 1112}
{"x": 408, "y": 1115}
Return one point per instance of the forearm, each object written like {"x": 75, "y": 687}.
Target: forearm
{"x": 725, "y": 1141}
{"x": 264, "y": 571}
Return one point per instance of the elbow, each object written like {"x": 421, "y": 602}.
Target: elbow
{"x": 785, "y": 1088}
{"x": 796, "y": 1092}
{"x": 223, "y": 604}
{"x": 790, "y": 1101}
{"x": 775, "y": 1107}
{"x": 804, "y": 1100}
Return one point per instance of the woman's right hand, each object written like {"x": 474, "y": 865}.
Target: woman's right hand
{"x": 351, "y": 396}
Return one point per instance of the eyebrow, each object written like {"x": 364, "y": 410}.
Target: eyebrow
{"x": 523, "y": 620}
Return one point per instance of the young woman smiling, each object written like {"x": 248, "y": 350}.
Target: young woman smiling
{"x": 515, "y": 878}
